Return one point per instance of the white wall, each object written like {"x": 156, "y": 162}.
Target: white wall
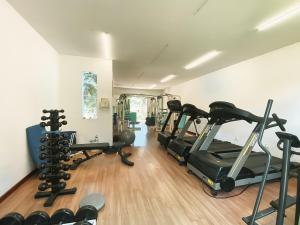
{"x": 71, "y": 68}
{"x": 249, "y": 85}
{"x": 29, "y": 83}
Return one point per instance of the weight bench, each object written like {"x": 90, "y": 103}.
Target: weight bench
{"x": 103, "y": 148}
{"x": 34, "y": 134}
{"x": 84, "y": 148}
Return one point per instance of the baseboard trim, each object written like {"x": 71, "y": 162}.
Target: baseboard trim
{"x": 14, "y": 188}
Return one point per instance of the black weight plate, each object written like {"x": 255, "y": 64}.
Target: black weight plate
{"x": 87, "y": 212}
{"x": 62, "y": 215}
{"x": 37, "y": 218}
{"x": 12, "y": 219}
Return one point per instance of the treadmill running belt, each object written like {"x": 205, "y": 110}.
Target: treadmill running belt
{"x": 216, "y": 167}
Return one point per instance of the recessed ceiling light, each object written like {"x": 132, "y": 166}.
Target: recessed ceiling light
{"x": 152, "y": 86}
{"x": 106, "y": 45}
{"x": 167, "y": 78}
{"x": 279, "y": 18}
{"x": 202, "y": 59}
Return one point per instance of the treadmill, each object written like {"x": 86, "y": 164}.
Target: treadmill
{"x": 225, "y": 171}
{"x": 163, "y": 136}
{"x": 180, "y": 146}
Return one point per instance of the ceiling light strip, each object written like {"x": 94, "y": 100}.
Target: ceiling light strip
{"x": 202, "y": 59}
{"x": 279, "y": 18}
{"x": 167, "y": 78}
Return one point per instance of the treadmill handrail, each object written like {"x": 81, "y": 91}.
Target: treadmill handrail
{"x": 265, "y": 149}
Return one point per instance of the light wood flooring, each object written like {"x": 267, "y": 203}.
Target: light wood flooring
{"x": 155, "y": 191}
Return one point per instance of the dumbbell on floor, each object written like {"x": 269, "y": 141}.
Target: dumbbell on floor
{"x": 38, "y": 218}
{"x": 12, "y": 219}
{"x": 86, "y": 214}
{"x": 62, "y": 216}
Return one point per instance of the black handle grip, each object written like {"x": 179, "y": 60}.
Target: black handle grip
{"x": 280, "y": 145}
{"x": 46, "y": 111}
{"x": 52, "y": 111}
{"x": 64, "y": 122}
{"x": 278, "y": 121}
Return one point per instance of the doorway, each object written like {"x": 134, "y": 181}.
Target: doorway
{"x": 139, "y": 105}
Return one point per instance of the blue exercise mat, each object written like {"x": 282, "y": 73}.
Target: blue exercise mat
{"x": 34, "y": 134}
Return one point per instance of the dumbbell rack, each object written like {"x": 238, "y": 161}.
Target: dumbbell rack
{"x": 53, "y": 151}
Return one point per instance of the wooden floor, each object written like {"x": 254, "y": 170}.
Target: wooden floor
{"x": 155, "y": 191}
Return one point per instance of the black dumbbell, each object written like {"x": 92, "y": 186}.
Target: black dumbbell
{"x": 84, "y": 214}
{"x": 53, "y": 111}
{"x": 59, "y": 156}
{"x": 52, "y": 143}
{"x": 45, "y": 186}
{"x": 43, "y": 124}
{"x": 60, "y": 175}
{"x": 64, "y": 136}
{"x": 60, "y": 166}
{"x": 64, "y": 122}
{"x": 43, "y": 147}
{"x": 53, "y": 147}
{"x": 44, "y": 139}
{"x": 37, "y": 218}
{"x": 59, "y": 124}
{"x": 45, "y": 118}
{"x": 62, "y": 216}
{"x": 47, "y": 111}
{"x": 61, "y": 137}
{"x": 56, "y": 147}
{"x": 65, "y": 151}
{"x": 12, "y": 219}
{"x": 63, "y": 142}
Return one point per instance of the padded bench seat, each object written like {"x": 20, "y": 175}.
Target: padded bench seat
{"x": 91, "y": 146}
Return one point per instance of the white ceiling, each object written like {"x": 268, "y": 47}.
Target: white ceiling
{"x": 155, "y": 38}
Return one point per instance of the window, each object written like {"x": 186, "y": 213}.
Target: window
{"x": 89, "y": 95}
